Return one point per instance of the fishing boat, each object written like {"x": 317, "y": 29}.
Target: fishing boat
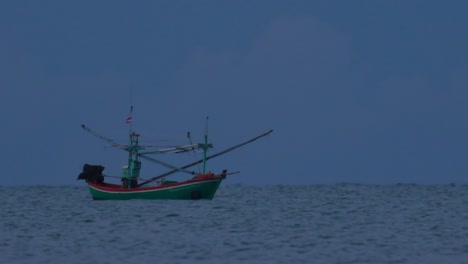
{"x": 200, "y": 185}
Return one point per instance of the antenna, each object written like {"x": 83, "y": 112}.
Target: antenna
{"x": 129, "y": 120}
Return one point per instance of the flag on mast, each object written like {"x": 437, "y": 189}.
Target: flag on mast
{"x": 129, "y": 116}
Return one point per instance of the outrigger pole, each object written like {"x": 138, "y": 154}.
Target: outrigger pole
{"x": 108, "y": 140}
{"x": 133, "y": 149}
{"x": 165, "y": 164}
{"x": 206, "y": 158}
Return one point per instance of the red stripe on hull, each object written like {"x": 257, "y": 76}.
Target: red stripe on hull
{"x": 109, "y": 187}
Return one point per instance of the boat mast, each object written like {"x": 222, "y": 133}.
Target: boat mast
{"x": 205, "y": 146}
{"x": 132, "y": 171}
{"x": 194, "y": 152}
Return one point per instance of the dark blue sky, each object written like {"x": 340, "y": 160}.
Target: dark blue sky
{"x": 356, "y": 91}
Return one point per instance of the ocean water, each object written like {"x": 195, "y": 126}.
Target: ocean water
{"x": 342, "y": 223}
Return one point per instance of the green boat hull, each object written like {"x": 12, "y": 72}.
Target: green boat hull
{"x": 187, "y": 190}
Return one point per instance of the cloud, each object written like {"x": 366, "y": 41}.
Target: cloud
{"x": 291, "y": 65}
{"x": 293, "y": 78}
{"x": 298, "y": 47}
{"x": 346, "y": 121}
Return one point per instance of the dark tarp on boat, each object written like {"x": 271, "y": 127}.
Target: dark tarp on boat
{"x": 92, "y": 173}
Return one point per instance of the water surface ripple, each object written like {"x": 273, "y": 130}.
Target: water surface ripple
{"x": 342, "y": 223}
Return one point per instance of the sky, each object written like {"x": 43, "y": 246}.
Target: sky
{"x": 370, "y": 92}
